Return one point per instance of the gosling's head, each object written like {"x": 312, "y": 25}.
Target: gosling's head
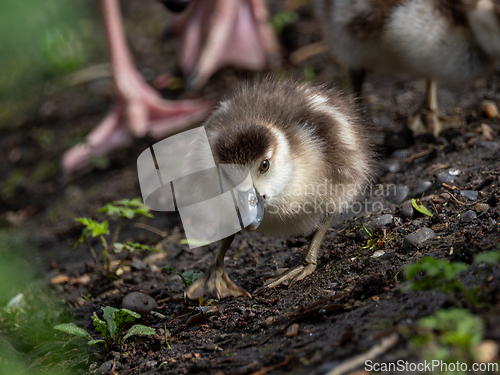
{"x": 261, "y": 149}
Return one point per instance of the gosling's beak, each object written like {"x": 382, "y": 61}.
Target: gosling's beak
{"x": 251, "y": 207}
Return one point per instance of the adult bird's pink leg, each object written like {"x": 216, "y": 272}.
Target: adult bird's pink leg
{"x": 139, "y": 110}
{"x": 217, "y": 33}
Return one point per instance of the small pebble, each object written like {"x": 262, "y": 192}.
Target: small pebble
{"x": 139, "y": 302}
{"x": 489, "y": 108}
{"x": 292, "y": 331}
{"x": 378, "y": 253}
{"x": 418, "y": 237}
{"x": 442, "y": 198}
{"x": 422, "y": 188}
{"x": 406, "y": 210}
{"x": 401, "y": 154}
{"x": 446, "y": 178}
{"x": 481, "y": 207}
{"x": 493, "y": 146}
{"x": 487, "y": 351}
{"x": 400, "y": 195}
{"x": 468, "y": 216}
{"x": 385, "y": 220}
{"x": 105, "y": 368}
{"x": 469, "y": 194}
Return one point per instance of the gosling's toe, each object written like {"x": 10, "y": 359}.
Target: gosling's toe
{"x": 215, "y": 282}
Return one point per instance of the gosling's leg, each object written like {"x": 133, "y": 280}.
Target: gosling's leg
{"x": 430, "y": 119}
{"x": 304, "y": 268}
{"x": 216, "y": 281}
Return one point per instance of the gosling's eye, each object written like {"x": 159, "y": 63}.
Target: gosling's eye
{"x": 264, "y": 166}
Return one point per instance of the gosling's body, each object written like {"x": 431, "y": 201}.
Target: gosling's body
{"x": 318, "y": 161}
{"x": 452, "y": 41}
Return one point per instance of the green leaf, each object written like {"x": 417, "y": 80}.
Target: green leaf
{"x": 97, "y": 342}
{"x": 122, "y": 318}
{"x": 369, "y": 231}
{"x": 73, "y": 329}
{"x": 93, "y": 227}
{"x": 491, "y": 258}
{"x": 191, "y": 277}
{"x": 417, "y": 205}
{"x": 132, "y": 247}
{"x": 139, "y": 330}
{"x": 100, "y": 326}
{"x": 188, "y": 277}
{"x": 126, "y": 208}
{"x": 108, "y": 312}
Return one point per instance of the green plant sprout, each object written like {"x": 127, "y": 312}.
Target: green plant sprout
{"x": 417, "y": 205}
{"x": 450, "y": 335}
{"x": 166, "y": 336}
{"x": 442, "y": 275}
{"x": 119, "y": 210}
{"x": 111, "y": 328}
{"x": 187, "y": 277}
{"x": 439, "y": 275}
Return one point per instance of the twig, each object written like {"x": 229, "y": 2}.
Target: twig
{"x": 377, "y": 350}
{"x": 302, "y": 54}
{"x": 491, "y": 172}
{"x": 151, "y": 229}
{"x": 410, "y": 158}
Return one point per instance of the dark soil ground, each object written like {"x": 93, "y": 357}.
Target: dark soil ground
{"x": 352, "y": 303}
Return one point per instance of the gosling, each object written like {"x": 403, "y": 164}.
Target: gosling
{"x": 308, "y": 157}
{"x": 452, "y": 41}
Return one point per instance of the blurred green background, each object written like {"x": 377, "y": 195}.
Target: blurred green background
{"x": 41, "y": 42}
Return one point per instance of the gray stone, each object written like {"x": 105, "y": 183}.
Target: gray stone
{"x": 468, "y": 216}
{"x": 385, "y": 220}
{"x": 392, "y": 166}
{"x": 401, "y": 154}
{"x": 422, "y": 188}
{"x": 469, "y": 194}
{"x": 400, "y": 195}
{"x": 418, "y": 237}
{"x": 139, "y": 302}
{"x": 105, "y": 368}
{"x": 490, "y": 145}
{"x": 406, "y": 210}
{"x": 446, "y": 178}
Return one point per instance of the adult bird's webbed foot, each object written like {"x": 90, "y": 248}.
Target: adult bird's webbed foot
{"x": 216, "y": 281}
{"x": 429, "y": 119}
{"x": 139, "y": 110}
{"x": 305, "y": 267}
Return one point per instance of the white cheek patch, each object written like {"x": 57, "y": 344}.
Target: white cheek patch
{"x": 277, "y": 178}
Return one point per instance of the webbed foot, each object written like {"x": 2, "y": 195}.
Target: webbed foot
{"x": 215, "y": 282}
{"x": 429, "y": 120}
{"x": 289, "y": 277}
